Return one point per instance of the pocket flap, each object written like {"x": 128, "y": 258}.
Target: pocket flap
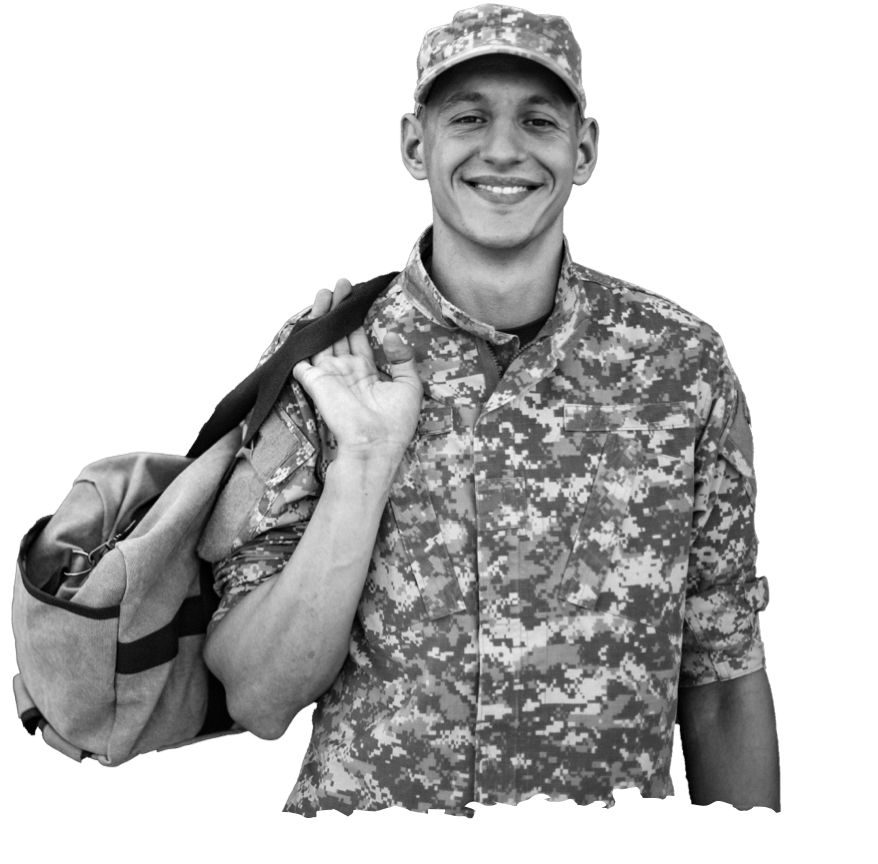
{"x": 615, "y": 418}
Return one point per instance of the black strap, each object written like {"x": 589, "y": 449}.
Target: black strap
{"x": 216, "y": 718}
{"x": 31, "y": 719}
{"x": 260, "y": 389}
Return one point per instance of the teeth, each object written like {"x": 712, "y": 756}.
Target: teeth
{"x": 502, "y": 190}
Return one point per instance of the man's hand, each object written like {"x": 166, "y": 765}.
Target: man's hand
{"x": 369, "y": 415}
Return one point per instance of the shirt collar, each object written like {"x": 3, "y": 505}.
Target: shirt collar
{"x": 416, "y": 282}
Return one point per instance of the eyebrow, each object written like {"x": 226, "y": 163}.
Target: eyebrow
{"x": 463, "y": 96}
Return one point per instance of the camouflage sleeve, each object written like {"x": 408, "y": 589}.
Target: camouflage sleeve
{"x": 241, "y": 572}
{"x": 262, "y": 512}
{"x": 280, "y": 337}
{"x": 721, "y": 638}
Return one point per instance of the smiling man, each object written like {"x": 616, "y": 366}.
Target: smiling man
{"x": 503, "y": 534}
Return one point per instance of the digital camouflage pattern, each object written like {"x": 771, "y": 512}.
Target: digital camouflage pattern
{"x": 563, "y": 546}
{"x": 494, "y": 29}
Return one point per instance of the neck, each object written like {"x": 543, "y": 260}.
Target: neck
{"x": 501, "y": 287}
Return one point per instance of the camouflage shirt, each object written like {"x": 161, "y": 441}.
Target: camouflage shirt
{"x": 565, "y": 544}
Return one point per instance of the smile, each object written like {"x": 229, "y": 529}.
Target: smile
{"x": 502, "y": 190}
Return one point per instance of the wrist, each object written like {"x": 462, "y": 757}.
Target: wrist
{"x": 371, "y": 472}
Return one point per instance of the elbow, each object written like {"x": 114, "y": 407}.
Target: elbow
{"x": 250, "y": 706}
{"x": 261, "y": 719}
{"x": 264, "y": 727}
{"x": 258, "y": 714}
{"x": 266, "y": 717}
{"x": 261, "y": 697}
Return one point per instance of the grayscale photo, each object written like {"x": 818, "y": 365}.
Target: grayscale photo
{"x": 491, "y": 513}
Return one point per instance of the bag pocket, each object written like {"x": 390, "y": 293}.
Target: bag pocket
{"x": 66, "y": 654}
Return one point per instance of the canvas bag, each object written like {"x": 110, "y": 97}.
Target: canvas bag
{"x": 111, "y": 602}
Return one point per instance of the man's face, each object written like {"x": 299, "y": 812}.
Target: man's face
{"x": 501, "y": 148}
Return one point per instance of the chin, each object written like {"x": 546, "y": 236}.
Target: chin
{"x": 500, "y": 235}
{"x": 503, "y": 239}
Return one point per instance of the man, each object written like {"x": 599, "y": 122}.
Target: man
{"x": 493, "y": 532}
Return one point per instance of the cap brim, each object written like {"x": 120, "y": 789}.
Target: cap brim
{"x": 423, "y": 88}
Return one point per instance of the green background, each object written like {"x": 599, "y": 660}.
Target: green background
{"x": 180, "y": 177}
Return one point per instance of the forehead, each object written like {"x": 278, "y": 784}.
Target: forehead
{"x": 484, "y": 75}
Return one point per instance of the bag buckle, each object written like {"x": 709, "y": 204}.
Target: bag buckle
{"x": 99, "y": 551}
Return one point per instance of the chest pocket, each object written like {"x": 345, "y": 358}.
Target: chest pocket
{"x": 411, "y": 577}
{"x": 629, "y": 550}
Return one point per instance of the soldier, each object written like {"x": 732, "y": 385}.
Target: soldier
{"x": 503, "y": 534}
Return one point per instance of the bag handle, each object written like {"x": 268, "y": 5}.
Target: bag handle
{"x": 260, "y": 389}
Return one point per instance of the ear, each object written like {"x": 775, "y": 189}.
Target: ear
{"x": 411, "y": 145}
{"x": 587, "y": 155}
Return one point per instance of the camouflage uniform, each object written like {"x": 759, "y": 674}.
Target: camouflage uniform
{"x": 563, "y": 546}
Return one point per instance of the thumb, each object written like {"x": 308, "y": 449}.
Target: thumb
{"x": 401, "y": 358}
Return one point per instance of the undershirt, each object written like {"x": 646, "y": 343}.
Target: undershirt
{"x": 526, "y": 333}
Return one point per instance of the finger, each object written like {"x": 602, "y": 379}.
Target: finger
{"x": 402, "y": 360}
{"x": 322, "y": 304}
{"x": 300, "y": 372}
{"x": 359, "y": 343}
{"x": 342, "y": 290}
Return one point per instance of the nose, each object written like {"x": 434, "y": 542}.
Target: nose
{"x": 503, "y": 143}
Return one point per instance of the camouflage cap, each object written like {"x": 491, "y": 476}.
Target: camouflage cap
{"x": 494, "y": 29}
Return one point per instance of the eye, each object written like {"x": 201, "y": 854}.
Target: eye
{"x": 468, "y": 120}
{"x": 540, "y": 122}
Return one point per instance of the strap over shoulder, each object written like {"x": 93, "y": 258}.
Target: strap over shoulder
{"x": 260, "y": 389}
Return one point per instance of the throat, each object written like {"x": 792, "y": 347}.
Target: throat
{"x": 505, "y": 288}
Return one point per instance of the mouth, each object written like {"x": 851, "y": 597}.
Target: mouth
{"x": 502, "y": 190}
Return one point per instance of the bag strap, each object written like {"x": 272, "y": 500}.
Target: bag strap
{"x": 260, "y": 389}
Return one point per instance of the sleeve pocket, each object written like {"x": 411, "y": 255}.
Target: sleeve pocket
{"x": 722, "y": 617}
{"x": 261, "y": 470}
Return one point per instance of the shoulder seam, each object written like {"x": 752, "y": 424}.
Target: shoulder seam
{"x": 657, "y": 301}
{"x": 617, "y": 284}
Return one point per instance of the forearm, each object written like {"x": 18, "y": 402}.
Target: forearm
{"x": 729, "y": 742}
{"x": 284, "y": 643}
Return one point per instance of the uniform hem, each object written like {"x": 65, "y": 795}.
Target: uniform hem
{"x": 346, "y": 810}
{"x": 466, "y": 809}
